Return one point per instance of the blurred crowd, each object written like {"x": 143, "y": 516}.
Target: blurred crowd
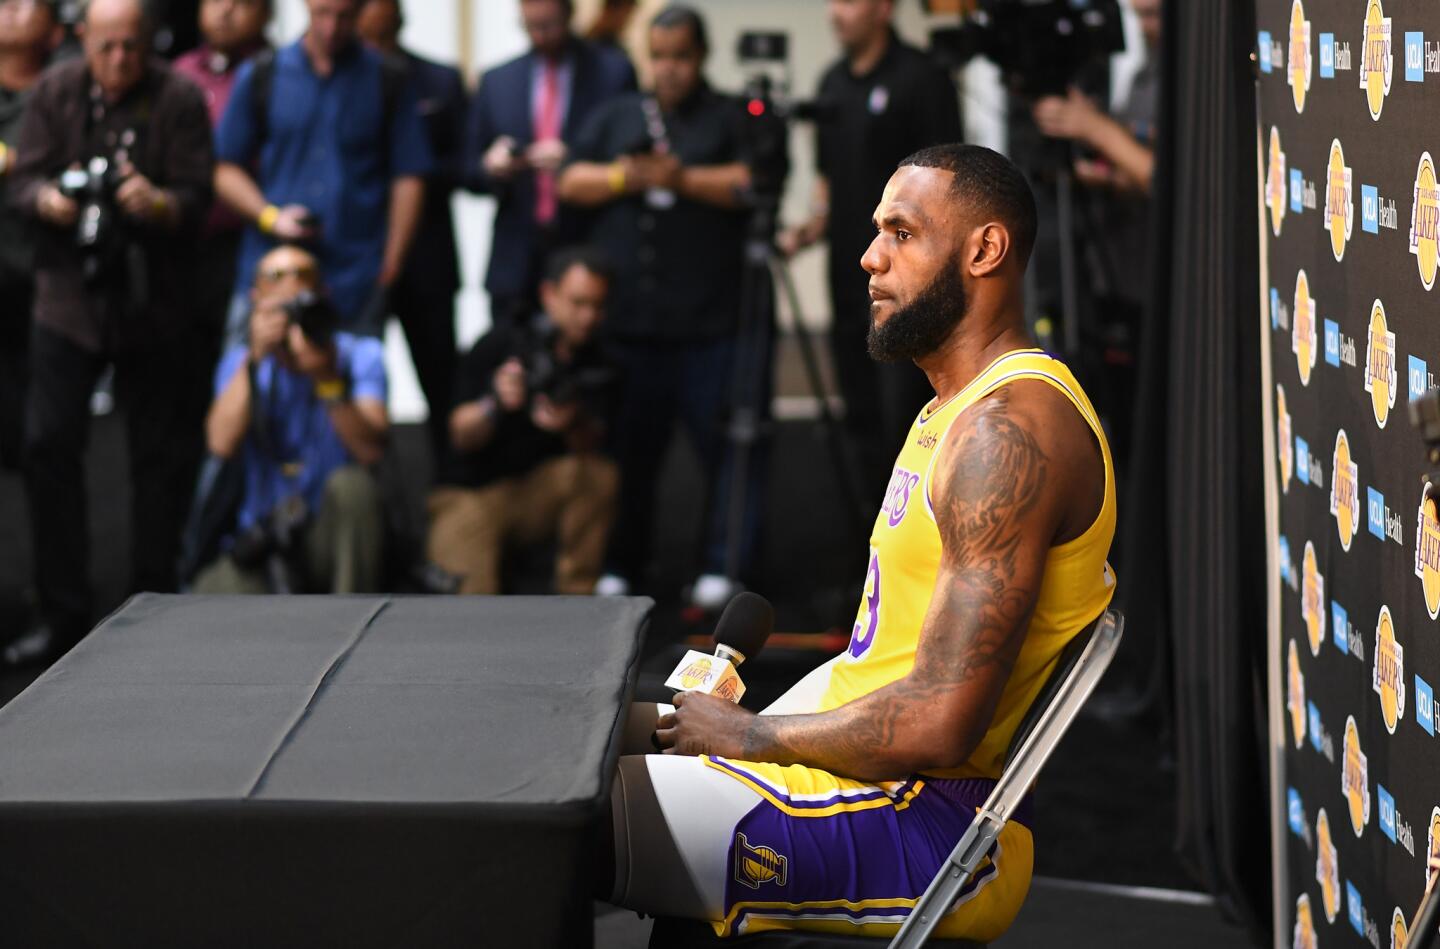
{"x": 224, "y": 236}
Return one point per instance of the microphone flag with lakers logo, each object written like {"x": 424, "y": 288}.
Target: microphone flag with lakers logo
{"x": 741, "y": 632}
{"x": 1346, "y": 199}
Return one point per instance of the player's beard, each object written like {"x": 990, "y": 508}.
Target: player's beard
{"x": 917, "y": 329}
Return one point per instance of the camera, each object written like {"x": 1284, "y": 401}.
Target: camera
{"x": 1040, "y": 46}
{"x": 764, "y": 135}
{"x": 272, "y": 542}
{"x": 314, "y": 314}
{"x": 545, "y": 374}
{"x": 92, "y": 187}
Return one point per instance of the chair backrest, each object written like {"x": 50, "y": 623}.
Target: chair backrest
{"x": 1069, "y": 656}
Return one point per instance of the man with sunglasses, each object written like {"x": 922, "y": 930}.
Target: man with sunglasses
{"x": 302, "y": 406}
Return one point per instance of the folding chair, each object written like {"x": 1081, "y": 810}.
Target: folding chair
{"x": 1078, "y": 670}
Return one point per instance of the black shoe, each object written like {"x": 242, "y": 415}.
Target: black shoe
{"x": 38, "y": 646}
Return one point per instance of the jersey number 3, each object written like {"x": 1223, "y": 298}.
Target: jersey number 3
{"x": 862, "y": 637}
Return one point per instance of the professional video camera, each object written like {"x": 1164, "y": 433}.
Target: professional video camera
{"x": 315, "y": 315}
{"x": 92, "y": 186}
{"x": 1041, "y": 46}
{"x": 765, "y": 57}
{"x": 546, "y": 374}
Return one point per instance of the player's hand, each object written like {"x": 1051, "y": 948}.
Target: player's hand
{"x": 546, "y": 155}
{"x": 55, "y": 207}
{"x": 1071, "y": 116}
{"x": 549, "y": 417}
{"x": 500, "y": 161}
{"x": 509, "y": 385}
{"x": 703, "y": 725}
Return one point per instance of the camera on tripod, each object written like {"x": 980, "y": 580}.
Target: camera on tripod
{"x": 1040, "y": 46}
{"x": 92, "y": 187}
{"x": 769, "y": 108}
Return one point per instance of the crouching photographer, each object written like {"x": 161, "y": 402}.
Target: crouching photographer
{"x": 523, "y": 466}
{"x": 302, "y": 408}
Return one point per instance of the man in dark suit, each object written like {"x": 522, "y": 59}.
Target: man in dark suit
{"x": 522, "y": 120}
{"x": 423, "y": 298}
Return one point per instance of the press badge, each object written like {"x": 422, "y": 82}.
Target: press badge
{"x": 879, "y": 99}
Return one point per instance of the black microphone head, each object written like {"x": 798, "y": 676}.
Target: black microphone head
{"x": 746, "y": 623}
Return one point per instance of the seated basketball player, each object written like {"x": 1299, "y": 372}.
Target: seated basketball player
{"x": 835, "y": 807}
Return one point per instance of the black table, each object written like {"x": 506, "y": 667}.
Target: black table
{"x": 316, "y": 771}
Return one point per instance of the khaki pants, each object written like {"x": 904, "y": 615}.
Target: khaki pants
{"x": 342, "y": 545}
{"x": 571, "y": 497}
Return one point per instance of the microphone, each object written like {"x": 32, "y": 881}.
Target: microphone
{"x": 741, "y": 632}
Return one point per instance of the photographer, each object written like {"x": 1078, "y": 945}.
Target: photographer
{"x": 531, "y": 406}
{"x": 303, "y": 407}
{"x": 114, "y": 162}
{"x": 882, "y": 100}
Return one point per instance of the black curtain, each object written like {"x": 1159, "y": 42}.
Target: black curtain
{"x": 1194, "y": 544}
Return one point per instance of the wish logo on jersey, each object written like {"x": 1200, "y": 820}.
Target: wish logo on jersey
{"x": 1345, "y": 491}
{"x": 1304, "y": 936}
{"x": 1339, "y": 200}
{"x": 1381, "y": 377}
{"x": 1427, "y": 550}
{"x": 1377, "y": 64}
{"x": 1298, "y": 64}
{"x": 1388, "y": 679}
{"x": 1355, "y": 777}
{"x": 1295, "y": 693}
{"x": 897, "y": 496}
{"x": 755, "y": 866}
{"x": 1285, "y": 438}
{"x": 1312, "y": 599}
{"x": 1424, "y": 220}
{"x": 1275, "y": 183}
{"x": 1327, "y": 867}
{"x": 1303, "y": 334}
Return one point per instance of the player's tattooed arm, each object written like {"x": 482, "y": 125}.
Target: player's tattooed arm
{"x": 998, "y": 505}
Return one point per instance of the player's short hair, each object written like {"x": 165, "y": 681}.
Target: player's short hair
{"x": 989, "y": 182}
{"x": 585, "y": 256}
{"x": 688, "y": 17}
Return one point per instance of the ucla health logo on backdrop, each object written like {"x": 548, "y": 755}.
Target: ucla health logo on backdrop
{"x": 1376, "y": 61}
{"x": 1380, "y": 372}
{"x": 1304, "y": 936}
{"x": 1327, "y": 867}
{"x": 1312, "y": 599}
{"x": 1388, "y": 679}
{"x": 1427, "y": 550}
{"x": 1424, "y": 218}
{"x": 1283, "y": 435}
{"x": 1355, "y": 777}
{"x": 1295, "y": 693}
{"x": 1345, "y": 491}
{"x": 1303, "y": 334}
{"x": 1339, "y": 200}
{"x": 1298, "y": 65}
{"x": 1275, "y": 183}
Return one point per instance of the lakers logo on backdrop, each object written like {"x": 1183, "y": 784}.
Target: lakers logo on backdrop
{"x": 1275, "y": 198}
{"x": 1312, "y": 599}
{"x": 1427, "y": 550}
{"x": 1380, "y": 372}
{"x": 1399, "y": 932}
{"x": 1388, "y": 678}
{"x": 1295, "y": 693}
{"x": 1433, "y": 847}
{"x": 1355, "y": 778}
{"x": 1298, "y": 64}
{"x": 756, "y": 866}
{"x": 1339, "y": 200}
{"x": 1345, "y": 491}
{"x": 1376, "y": 61}
{"x": 1285, "y": 436}
{"x": 1303, "y": 334}
{"x": 1327, "y": 867}
{"x": 1424, "y": 221}
{"x": 1304, "y": 936}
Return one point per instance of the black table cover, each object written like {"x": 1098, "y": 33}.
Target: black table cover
{"x": 316, "y": 771}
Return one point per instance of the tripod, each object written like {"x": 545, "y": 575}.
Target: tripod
{"x": 763, "y": 269}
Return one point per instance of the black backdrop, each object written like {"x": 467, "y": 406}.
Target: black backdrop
{"x": 1347, "y": 101}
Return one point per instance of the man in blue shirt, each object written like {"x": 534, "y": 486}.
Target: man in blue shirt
{"x": 303, "y": 409}
{"x": 320, "y": 154}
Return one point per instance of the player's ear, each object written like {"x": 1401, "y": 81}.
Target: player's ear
{"x": 989, "y": 245}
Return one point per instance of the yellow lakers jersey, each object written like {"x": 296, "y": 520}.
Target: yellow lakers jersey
{"x": 904, "y": 563}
